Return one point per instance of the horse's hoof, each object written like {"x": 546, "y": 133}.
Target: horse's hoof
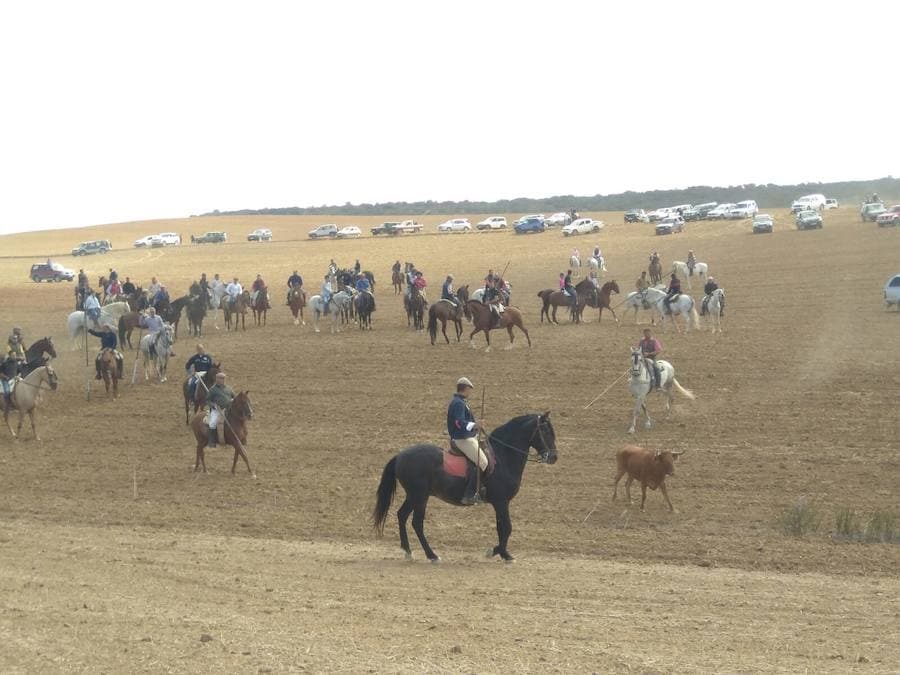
{"x": 508, "y": 347}
{"x": 296, "y": 323}
{"x": 318, "y": 331}
{"x": 631, "y": 430}
{"x": 509, "y": 560}
{"x": 407, "y": 556}
{"x": 435, "y": 560}
{"x": 648, "y": 425}
{"x": 487, "y": 349}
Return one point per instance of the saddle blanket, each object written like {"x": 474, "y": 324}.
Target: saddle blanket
{"x": 456, "y": 464}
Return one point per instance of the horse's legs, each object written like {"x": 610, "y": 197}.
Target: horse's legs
{"x": 634, "y": 414}
{"x": 201, "y": 459}
{"x": 402, "y": 515}
{"x": 621, "y": 471}
{"x": 511, "y": 336}
{"x": 522, "y": 328}
{"x": 471, "y": 337}
{"x": 459, "y": 328}
{"x": 239, "y": 452}
{"x": 418, "y": 522}
{"x": 628, "y": 483}
{"x": 554, "y": 316}
{"x": 504, "y": 529}
{"x": 444, "y": 330}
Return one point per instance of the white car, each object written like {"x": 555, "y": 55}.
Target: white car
{"x": 558, "y": 219}
{"x": 892, "y": 292}
{"x": 261, "y": 234}
{"x": 455, "y": 225}
{"x": 744, "y": 209}
{"x": 166, "y": 239}
{"x": 583, "y": 226}
{"x": 492, "y": 223}
{"x": 720, "y": 212}
{"x": 348, "y": 232}
{"x": 144, "y": 242}
{"x": 831, "y": 203}
{"x": 807, "y": 202}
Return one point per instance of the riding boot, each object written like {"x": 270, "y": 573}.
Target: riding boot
{"x": 211, "y": 442}
{"x": 470, "y": 496}
{"x": 98, "y": 376}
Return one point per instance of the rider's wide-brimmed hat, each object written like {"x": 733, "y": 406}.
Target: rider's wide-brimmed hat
{"x": 465, "y": 382}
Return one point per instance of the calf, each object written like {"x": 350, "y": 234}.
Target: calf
{"x": 647, "y": 467}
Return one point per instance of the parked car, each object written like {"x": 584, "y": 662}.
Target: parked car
{"x": 809, "y": 220}
{"x": 831, "y": 203}
{"x": 210, "y": 238}
{"x": 763, "y": 223}
{"x": 659, "y": 214}
{"x": 165, "y": 239}
{"x": 531, "y": 224}
{"x": 492, "y": 223}
{"x": 744, "y": 209}
{"x": 890, "y": 217}
{"x": 892, "y": 292}
{"x": 816, "y": 201}
{"x": 324, "y": 232}
{"x": 50, "y": 272}
{"x": 558, "y": 219}
{"x": 260, "y": 234}
{"x": 348, "y": 232}
{"x": 144, "y": 242}
{"x": 529, "y": 217}
{"x": 871, "y": 210}
{"x": 720, "y": 212}
{"x": 636, "y": 216}
{"x": 670, "y": 225}
{"x": 91, "y": 247}
{"x": 455, "y": 225}
{"x": 582, "y": 226}
{"x": 699, "y": 211}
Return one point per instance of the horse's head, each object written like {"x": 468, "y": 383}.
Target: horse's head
{"x": 241, "y": 407}
{"x": 637, "y": 362}
{"x": 544, "y": 439}
{"x": 51, "y": 377}
{"x": 612, "y": 286}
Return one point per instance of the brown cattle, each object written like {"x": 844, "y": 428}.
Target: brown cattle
{"x": 650, "y": 468}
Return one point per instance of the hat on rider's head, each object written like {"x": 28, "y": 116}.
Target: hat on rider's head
{"x": 109, "y": 325}
{"x": 220, "y": 376}
{"x": 464, "y": 382}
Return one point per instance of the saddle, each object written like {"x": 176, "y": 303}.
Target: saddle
{"x": 456, "y": 464}
{"x": 220, "y": 428}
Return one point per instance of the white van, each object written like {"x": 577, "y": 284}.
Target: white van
{"x": 807, "y": 202}
{"x": 744, "y": 209}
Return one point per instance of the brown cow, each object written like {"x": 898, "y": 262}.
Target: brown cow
{"x": 647, "y": 467}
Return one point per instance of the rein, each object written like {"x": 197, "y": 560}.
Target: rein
{"x": 537, "y": 431}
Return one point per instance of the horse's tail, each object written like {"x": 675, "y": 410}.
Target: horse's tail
{"x": 385, "y": 495}
{"x": 694, "y": 316}
{"x": 687, "y": 393}
{"x": 432, "y": 321}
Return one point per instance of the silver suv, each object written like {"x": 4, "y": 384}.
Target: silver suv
{"x": 91, "y": 247}
{"x": 324, "y": 232}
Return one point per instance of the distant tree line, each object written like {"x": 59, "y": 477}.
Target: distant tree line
{"x": 767, "y": 196}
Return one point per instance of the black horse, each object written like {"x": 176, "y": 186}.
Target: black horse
{"x": 172, "y": 313}
{"x": 196, "y": 310}
{"x": 420, "y": 471}
{"x": 365, "y": 305}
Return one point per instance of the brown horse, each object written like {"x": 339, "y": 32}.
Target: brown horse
{"x": 602, "y": 301}
{"x": 483, "y": 320}
{"x": 236, "y": 417}
{"x": 415, "y": 305}
{"x": 260, "y": 306}
{"x": 445, "y": 311}
{"x": 397, "y": 281}
{"x": 585, "y": 294}
{"x": 109, "y": 371}
{"x": 655, "y": 270}
{"x": 297, "y": 301}
{"x": 199, "y": 398}
{"x": 239, "y": 309}
{"x": 127, "y": 323}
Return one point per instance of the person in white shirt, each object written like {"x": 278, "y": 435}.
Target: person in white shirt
{"x": 234, "y": 290}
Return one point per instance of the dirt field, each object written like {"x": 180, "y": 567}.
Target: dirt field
{"x": 115, "y": 556}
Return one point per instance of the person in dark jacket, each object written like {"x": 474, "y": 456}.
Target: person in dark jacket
{"x": 128, "y": 287}
{"x": 108, "y": 340}
{"x": 463, "y": 430}
{"x": 710, "y": 288}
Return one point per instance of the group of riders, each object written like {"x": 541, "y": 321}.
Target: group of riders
{"x": 673, "y": 289}
{"x": 353, "y": 281}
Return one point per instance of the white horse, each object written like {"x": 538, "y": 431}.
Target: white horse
{"x": 715, "y": 305}
{"x": 108, "y": 314}
{"x": 575, "y": 264}
{"x": 26, "y": 395}
{"x": 681, "y": 269}
{"x": 597, "y": 265}
{"x": 339, "y": 301}
{"x": 215, "y": 302}
{"x": 641, "y": 384}
{"x": 162, "y": 343}
{"x": 655, "y": 304}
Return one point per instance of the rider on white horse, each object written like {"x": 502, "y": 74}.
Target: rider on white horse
{"x": 326, "y": 293}
{"x": 672, "y": 292}
{"x": 710, "y": 288}
{"x": 153, "y": 324}
{"x": 651, "y": 348}
{"x": 92, "y": 307}
{"x": 691, "y": 261}
{"x": 642, "y": 284}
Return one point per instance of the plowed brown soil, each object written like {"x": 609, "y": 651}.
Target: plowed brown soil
{"x": 116, "y": 556}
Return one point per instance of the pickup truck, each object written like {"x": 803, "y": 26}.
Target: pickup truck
{"x": 404, "y": 227}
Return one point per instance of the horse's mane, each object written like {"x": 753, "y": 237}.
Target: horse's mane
{"x": 515, "y": 424}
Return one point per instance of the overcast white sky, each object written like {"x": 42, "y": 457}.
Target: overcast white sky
{"x": 116, "y": 111}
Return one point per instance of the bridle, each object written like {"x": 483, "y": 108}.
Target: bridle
{"x": 544, "y": 456}
{"x": 51, "y": 378}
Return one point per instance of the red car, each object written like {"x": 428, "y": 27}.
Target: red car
{"x": 890, "y": 217}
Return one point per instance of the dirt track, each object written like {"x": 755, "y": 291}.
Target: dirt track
{"x": 798, "y": 397}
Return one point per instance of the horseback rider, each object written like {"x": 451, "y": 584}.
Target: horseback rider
{"x": 650, "y": 350}
{"x": 15, "y": 349}
{"x": 197, "y": 366}
{"x": 294, "y": 282}
{"x": 217, "y": 287}
{"x": 505, "y": 291}
{"x": 113, "y": 275}
{"x": 576, "y": 254}
{"x": 326, "y": 293}
{"x": 569, "y": 289}
{"x": 654, "y": 258}
{"x": 463, "y": 430}
{"x": 204, "y": 287}
{"x": 162, "y": 295}
{"x": 152, "y": 323}
{"x": 493, "y": 300}
{"x": 691, "y": 261}
{"x": 218, "y": 399}
{"x": 595, "y": 281}
{"x": 447, "y": 291}
{"x": 82, "y": 279}
{"x": 597, "y": 254}
{"x": 114, "y": 289}
{"x": 672, "y": 292}
{"x": 357, "y": 267}
{"x": 128, "y": 287}
{"x": 420, "y": 284}
{"x": 234, "y": 290}
{"x": 258, "y": 285}
{"x": 396, "y": 267}
{"x": 642, "y": 284}
{"x": 363, "y": 285}
{"x": 153, "y": 288}
{"x": 92, "y": 307}
{"x": 108, "y": 341}
{"x": 710, "y": 288}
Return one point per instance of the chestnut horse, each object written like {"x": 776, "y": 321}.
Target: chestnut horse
{"x": 109, "y": 371}
{"x": 238, "y": 308}
{"x": 585, "y": 294}
{"x": 260, "y": 306}
{"x": 199, "y": 399}
{"x": 483, "y": 320}
{"x": 297, "y": 301}
{"x": 127, "y": 323}
{"x": 236, "y": 417}
{"x": 602, "y": 300}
